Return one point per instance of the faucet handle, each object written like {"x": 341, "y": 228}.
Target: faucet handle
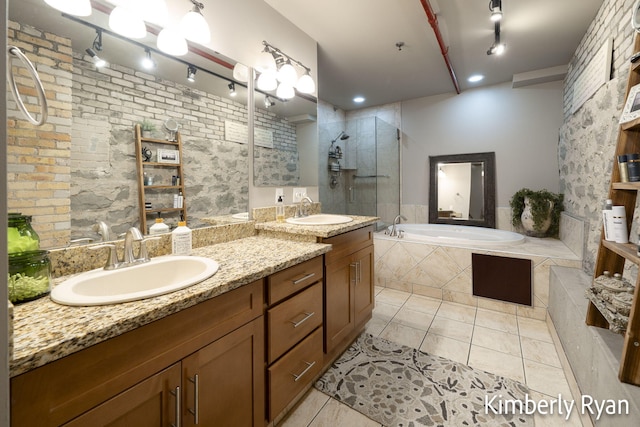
{"x": 143, "y": 255}
{"x": 112, "y": 260}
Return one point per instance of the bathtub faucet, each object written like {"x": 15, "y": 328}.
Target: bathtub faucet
{"x": 394, "y": 232}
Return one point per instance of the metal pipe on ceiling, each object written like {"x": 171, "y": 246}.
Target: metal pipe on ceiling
{"x": 433, "y": 21}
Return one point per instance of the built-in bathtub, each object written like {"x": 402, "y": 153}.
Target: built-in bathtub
{"x": 434, "y": 260}
{"x": 446, "y": 234}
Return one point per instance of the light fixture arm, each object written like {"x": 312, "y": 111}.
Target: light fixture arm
{"x": 197, "y": 5}
{"x": 278, "y": 55}
{"x": 97, "y": 42}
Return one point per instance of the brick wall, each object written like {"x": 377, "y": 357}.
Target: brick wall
{"x": 38, "y": 158}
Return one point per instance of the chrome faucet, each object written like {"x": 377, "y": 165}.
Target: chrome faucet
{"x": 132, "y": 235}
{"x": 394, "y": 232}
{"x": 102, "y": 229}
{"x": 301, "y": 210}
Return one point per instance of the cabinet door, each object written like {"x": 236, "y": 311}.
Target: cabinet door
{"x": 224, "y": 382}
{"x": 338, "y": 316}
{"x": 150, "y": 403}
{"x": 364, "y": 290}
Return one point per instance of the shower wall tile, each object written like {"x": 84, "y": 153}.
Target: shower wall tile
{"x": 572, "y": 232}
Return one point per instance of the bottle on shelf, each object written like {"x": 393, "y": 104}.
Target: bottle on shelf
{"x": 607, "y": 220}
{"x": 620, "y": 234}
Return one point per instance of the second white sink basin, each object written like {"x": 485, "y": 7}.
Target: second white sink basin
{"x": 320, "y": 219}
{"x": 159, "y": 276}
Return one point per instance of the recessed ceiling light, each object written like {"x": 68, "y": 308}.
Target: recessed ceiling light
{"x": 358, "y": 99}
{"x": 475, "y": 78}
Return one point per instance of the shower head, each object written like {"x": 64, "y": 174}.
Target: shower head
{"x": 341, "y": 136}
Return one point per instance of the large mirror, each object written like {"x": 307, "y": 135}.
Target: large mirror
{"x": 462, "y": 189}
{"x": 80, "y": 168}
{"x": 285, "y": 141}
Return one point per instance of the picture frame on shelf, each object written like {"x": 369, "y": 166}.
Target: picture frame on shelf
{"x": 168, "y": 156}
{"x": 631, "y": 110}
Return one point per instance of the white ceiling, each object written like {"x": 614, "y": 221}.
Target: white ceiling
{"x": 357, "y": 53}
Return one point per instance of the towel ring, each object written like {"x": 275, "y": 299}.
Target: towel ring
{"x": 14, "y": 87}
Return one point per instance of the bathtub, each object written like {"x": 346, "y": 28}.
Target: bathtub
{"x": 446, "y": 234}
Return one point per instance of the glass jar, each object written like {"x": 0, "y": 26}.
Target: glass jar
{"x": 20, "y": 236}
{"x": 29, "y": 276}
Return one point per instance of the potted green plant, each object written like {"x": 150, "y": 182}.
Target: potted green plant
{"x": 537, "y": 212}
{"x": 146, "y": 127}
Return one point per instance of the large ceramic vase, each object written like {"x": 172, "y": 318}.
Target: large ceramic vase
{"x": 528, "y": 223}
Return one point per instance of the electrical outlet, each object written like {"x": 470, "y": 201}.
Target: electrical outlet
{"x": 279, "y": 192}
{"x": 298, "y": 194}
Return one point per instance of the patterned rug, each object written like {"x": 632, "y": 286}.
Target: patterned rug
{"x": 401, "y": 386}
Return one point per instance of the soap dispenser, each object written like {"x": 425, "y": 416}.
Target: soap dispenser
{"x": 280, "y": 209}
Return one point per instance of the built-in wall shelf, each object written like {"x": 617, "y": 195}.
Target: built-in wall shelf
{"x": 612, "y": 256}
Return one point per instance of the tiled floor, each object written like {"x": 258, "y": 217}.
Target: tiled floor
{"x": 504, "y": 344}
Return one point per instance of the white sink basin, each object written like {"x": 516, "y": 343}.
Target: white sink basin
{"x": 320, "y": 219}
{"x": 159, "y": 276}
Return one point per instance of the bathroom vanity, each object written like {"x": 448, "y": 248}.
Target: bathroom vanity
{"x": 236, "y": 349}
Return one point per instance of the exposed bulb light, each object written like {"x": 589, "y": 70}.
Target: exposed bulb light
{"x": 147, "y": 62}
{"x": 127, "y": 23}
{"x": 306, "y": 84}
{"x": 267, "y": 80}
{"x": 191, "y": 73}
{"x": 72, "y": 7}
{"x": 475, "y": 78}
{"x": 232, "y": 89}
{"x": 359, "y": 99}
{"x": 171, "y": 42}
{"x": 194, "y": 27}
{"x": 285, "y": 91}
{"x": 96, "y": 59}
{"x": 497, "y": 49}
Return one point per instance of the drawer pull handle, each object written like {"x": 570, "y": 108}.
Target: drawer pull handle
{"x": 176, "y": 393}
{"x": 354, "y": 272}
{"x": 307, "y": 317}
{"x": 303, "y": 278}
{"x": 196, "y": 397}
{"x": 301, "y": 374}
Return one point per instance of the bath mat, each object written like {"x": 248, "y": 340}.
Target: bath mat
{"x": 397, "y": 385}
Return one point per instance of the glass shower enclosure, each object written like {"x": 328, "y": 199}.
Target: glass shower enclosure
{"x": 360, "y": 168}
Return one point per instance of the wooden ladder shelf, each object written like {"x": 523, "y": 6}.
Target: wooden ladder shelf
{"x": 143, "y": 166}
{"x": 612, "y": 256}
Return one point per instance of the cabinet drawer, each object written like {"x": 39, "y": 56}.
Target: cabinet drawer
{"x": 292, "y": 320}
{"x": 287, "y": 282}
{"x": 293, "y": 372}
{"x": 347, "y": 243}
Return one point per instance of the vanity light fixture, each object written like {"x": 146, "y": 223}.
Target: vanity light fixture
{"x": 171, "y": 42}
{"x": 191, "y": 73}
{"x": 232, "y": 89}
{"x": 147, "y": 62}
{"x": 72, "y": 7}
{"x": 276, "y": 66}
{"x": 495, "y": 6}
{"x": 127, "y": 22}
{"x": 193, "y": 26}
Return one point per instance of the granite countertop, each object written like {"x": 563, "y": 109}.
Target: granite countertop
{"x": 322, "y": 231}
{"x": 44, "y": 331}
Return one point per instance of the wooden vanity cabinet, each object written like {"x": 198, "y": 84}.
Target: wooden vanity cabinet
{"x": 136, "y": 378}
{"x": 294, "y": 332}
{"x": 349, "y": 288}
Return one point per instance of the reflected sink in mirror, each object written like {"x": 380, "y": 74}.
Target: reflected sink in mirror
{"x": 320, "y": 219}
{"x": 159, "y": 276}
